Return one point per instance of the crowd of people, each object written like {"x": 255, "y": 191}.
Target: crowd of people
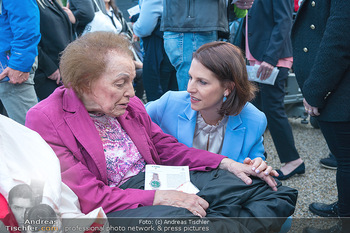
{"x": 105, "y": 97}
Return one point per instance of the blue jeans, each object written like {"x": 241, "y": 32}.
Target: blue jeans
{"x": 180, "y": 47}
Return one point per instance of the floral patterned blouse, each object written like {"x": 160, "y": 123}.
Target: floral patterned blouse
{"x": 123, "y": 159}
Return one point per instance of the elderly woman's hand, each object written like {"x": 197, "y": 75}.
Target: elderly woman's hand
{"x": 192, "y": 202}
{"x": 243, "y": 171}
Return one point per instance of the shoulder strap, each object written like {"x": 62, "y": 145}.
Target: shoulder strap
{"x": 98, "y": 7}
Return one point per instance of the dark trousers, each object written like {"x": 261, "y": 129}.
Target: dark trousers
{"x": 168, "y": 80}
{"x": 158, "y": 79}
{"x": 337, "y": 135}
{"x": 270, "y": 100}
{"x": 44, "y": 86}
{"x": 138, "y": 84}
{"x": 159, "y": 75}
{"x": 227, "y": 196}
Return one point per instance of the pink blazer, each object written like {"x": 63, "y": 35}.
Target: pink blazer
{"x": 65, "y": 124}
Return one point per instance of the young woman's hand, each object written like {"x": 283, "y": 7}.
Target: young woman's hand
{"x": 259, "y": 165}
{"x": 243, "y": 171}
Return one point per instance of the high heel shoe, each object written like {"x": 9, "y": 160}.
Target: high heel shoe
{"x": 299, "y": 170}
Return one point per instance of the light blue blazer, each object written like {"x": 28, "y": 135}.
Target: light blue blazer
{"x": 243, "y": 136}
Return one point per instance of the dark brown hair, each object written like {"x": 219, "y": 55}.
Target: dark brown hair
{"x": 114, "y": 6}
{"x": 227, "y": 63}
{"x": 20, "y": 191}
{"x": 85, "y": 59}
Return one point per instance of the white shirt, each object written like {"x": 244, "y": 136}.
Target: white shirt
{"x": 117, "y": 23}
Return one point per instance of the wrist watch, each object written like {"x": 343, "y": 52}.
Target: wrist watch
{"x": 155, "y": 183}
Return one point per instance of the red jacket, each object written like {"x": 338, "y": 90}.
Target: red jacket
{"x": 66, "y": 126}
{"x": 297, "y": 4}
{"x": 7, "y": 217}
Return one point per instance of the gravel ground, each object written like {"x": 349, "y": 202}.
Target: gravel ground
{"x": 317, "y": 184}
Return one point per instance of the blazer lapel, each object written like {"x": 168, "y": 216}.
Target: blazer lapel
{"x": 234, "y": 138}
{"x": 84, "y": 130}
{"x": 186, "y": 125}
{"x": 137, "y": 134}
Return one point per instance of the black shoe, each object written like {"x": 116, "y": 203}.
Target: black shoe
{"x": 324, "y": 210}
{"x": 265, "y": 154}
{"x": 299, "y": 170}
{"x": 330, "y": 162}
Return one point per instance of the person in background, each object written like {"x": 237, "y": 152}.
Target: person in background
{"x": 118, "y": 19}
{"x": 322, "y": 66}
{"x": 158, "y": 73}
{"x": 268, "y": 44}
{"x": 329, "y": 162}
{"x": 84, "y": 12}
{"x": 124, "y": 29}
{"x": 215, "y": 110}
{"x": 20, "y": 35}
{"x": 20, "y": 200}
{"x": 56, "y": 33}
{"x": 188, "y": 26}
{"x": 104, "y": 137}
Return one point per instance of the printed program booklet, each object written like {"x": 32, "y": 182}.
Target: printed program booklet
{"x": 159, "y": 177}
{"x": 252, "y": 71}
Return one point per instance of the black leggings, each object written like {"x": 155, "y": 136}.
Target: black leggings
{"x": 337, "y": 135}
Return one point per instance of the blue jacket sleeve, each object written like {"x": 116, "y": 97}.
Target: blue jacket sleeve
{"x": 151, "y": 11}
{"x": 24, "y": 20}
{"x": 155, "y": 109}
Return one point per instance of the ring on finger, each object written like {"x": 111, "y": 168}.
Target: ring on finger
{"x": 197, "y": 214}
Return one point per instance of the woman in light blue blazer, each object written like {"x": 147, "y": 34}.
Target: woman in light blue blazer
{"x": 214, "y": 114}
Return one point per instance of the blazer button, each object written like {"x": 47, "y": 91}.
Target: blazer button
{"x": 312, "y": 26}
{"x": 305, "y": 50}
{"x": 313, "y": 3}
